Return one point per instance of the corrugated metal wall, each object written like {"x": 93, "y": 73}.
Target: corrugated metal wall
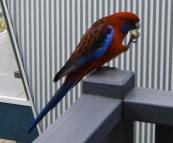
{"x": 47, "y": 31}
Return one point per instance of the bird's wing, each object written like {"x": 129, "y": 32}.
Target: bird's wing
{"x": 94, "y": 43}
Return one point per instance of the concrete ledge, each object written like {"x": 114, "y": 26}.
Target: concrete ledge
{"x": 92, "y": 117}
{"x": 3, "y": 32}
{"x": 149, "y": 105}
{"x": 14, "y": 100}
{"x": 110, "y": 82}
{"x": 11, "y": 87}
{"x": 89, "y": 119}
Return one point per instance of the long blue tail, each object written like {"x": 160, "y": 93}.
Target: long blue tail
{"x": 52, "y": 103}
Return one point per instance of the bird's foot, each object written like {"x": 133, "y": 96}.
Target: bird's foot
{"x": 106, "y": 68}
{"x": 133, "y": 39}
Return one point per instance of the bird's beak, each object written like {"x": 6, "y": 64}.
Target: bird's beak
{"x": 137, "y": 25}
{"x": 135, "y": 34}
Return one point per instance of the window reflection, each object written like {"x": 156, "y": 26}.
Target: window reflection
{"x": 8, "y": 63}
{"x": 11, "y": 89}
{"x": 3, "y": 25}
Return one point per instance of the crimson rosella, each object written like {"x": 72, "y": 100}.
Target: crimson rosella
{"x": 101, "y": 43}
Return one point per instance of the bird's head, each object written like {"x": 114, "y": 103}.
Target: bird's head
{"x": 126, "y": 21}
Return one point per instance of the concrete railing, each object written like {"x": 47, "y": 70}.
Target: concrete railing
{"x": 107, "y": 109}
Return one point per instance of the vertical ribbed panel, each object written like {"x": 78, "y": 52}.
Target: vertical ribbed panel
{"x": 48, "y": 31}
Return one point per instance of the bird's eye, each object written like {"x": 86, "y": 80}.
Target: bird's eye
{"x": 128, "y": 20}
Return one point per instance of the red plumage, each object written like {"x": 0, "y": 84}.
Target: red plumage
{"x": 101, "y": 43}
{"x": 85, "y": 46}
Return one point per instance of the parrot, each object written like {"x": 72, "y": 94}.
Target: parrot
{"x": 101, "y": 43}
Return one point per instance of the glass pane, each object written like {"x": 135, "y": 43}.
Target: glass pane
{"x": 9, "y": 85}
{"x": 3, "y": 25}
{"x": 7, "y": 59}
{"x": 11, "y": 88}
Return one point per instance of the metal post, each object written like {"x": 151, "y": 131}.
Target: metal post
{"x": 122, "y": 133}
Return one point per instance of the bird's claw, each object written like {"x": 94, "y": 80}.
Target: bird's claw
{"x": 106, "y": 68}
{"x": 134, "y": 41}
{"x": 135, "y": 35}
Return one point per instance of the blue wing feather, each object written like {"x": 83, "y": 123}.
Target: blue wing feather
{"x": 52, "y": 103}
{"x": 100, "y": 51}
{"x": 94, "y": 50}
{"x": 105, "y": 46}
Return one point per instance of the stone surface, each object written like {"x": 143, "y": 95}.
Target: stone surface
{"x": 108, "y": 81}
{"x": 6, "y": 141}
{"x": 2, "y": 140}
{"x": 149, "y": 105}
{"x": 9, "y": 141}
{"x": 89, "y": 119}
{"x": 10, "y": 86}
